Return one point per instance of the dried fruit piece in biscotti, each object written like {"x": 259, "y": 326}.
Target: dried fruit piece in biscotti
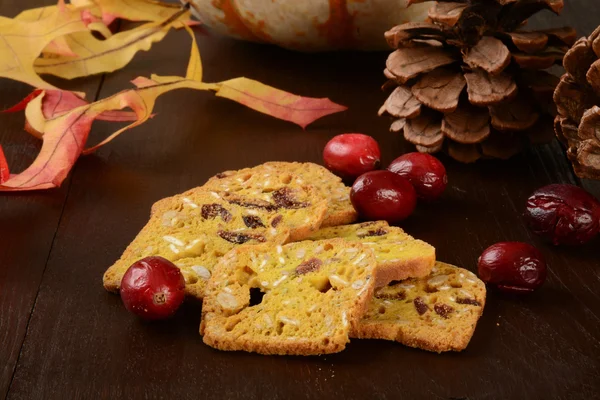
{"x": 330, "y": 187}
{"x": 302, "y": 298}
{"x": 195, "y": 229}
{"x": 436, "y": 313}
{"x": 399, "y": 255}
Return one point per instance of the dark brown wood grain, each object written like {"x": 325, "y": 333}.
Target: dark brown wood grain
{"x": 28, "y": 222}
{"x": 81, "y": 343}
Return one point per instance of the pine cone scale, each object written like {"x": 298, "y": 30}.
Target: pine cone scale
{"x": 424, "y": 130}
{"x": 446, "y": 13}
{"x": 517, "y": 115}
{"x": 467, "y": 125}
{"x": 440, "y": 89}
{"x": 489, "y": 54}
{"x": 402, "y": 104}
{"x": 484, "y": 89}
{"x": 408, "y": 63}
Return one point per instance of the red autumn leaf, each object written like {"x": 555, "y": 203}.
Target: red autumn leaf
{"x": 20, "y": 106}
{"x": 57, "y": 102}
{"x": 4, "y": 171}
{"x": 59, "y": 152}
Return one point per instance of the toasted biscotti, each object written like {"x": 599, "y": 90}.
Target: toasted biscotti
{"x": 339, "y": 208}
{"x": 195, "y": 229}
{"x": 399, "y": 255}
{"x": 436, "y": 313}
{"x": 302, "y": 298}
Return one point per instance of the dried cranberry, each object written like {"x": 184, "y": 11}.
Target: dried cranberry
{"x": 563, "y": 214}
{"x": 312, "y": 265}
{"x": 443, "y": 310}
{"x": 240, "y": 238}
{"x": 373, "y": 232}
{"x": 420, "y": 305}
{"x": 464, "y": 300}
{"x": 351, "y": 154}
{"x": 284, "y": 197}
{"x": 424, "y": 171}
{"x": 383, "y": 195}
{"x": 213, "y": 210}
{"x": 252, "y": 221}
{"x": 152, "y": 288}
{"x": 512, "y": 266}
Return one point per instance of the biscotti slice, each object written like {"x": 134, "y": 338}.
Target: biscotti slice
{"x": 339, "y": 208}
{"x": 302, "y": 298}
{"x": 197, "y": 228}
{"x": 436, "y": 313}
{"x": 399, "y": 255}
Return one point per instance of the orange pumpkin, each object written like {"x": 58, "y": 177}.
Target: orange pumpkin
{"x": 309, "y": 25}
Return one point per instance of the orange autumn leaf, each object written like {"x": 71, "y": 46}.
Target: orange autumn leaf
{"x": 277, "y": 103}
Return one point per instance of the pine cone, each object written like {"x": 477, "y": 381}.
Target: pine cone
{"x": 577, "y": 98}
{"x": 478, "y": 45}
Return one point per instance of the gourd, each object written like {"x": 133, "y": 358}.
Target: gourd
{"x": 309, "y": 25}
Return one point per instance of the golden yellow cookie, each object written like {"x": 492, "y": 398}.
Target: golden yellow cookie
{"x": 274, "y": 174}
{"x": 195, "y": 229}
{"x": 436, "y": 313}
{"x": 399, "y": 255}
{"x": 302, "y": 298}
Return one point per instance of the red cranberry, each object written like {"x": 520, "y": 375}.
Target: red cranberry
{"x": 351, "y": 154}
{"x": 512, "y": 267}
{"x": 152, "y": 288}
{"x": 563, "y": 214}
{"x": 424, "y": 171}
{"x": 383, "y": 195}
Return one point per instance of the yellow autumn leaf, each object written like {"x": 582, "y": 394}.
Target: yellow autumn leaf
{"x": 36, "y": 14}
{"x": 95, "y": 56}
{"x": 23, "y": 40}
{"x": 194, "y": 68}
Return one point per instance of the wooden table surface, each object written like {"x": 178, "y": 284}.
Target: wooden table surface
{"x": 63, "y": 337}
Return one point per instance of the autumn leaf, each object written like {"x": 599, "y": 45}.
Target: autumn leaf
{"x": 63, "y": 141}
{"x": 23, "y": 103}
{"x": 275, "y": 102}
{"x": 64, "y": 119}
{"x": 95, "y": 56}
{"x": 4, "y": 171}
{"x": 23, "y": 40}
{"x": 42, "y": 105}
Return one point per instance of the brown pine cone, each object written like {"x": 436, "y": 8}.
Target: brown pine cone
{"x": 471, "y": 81}
{"x": 577, "y": 98}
